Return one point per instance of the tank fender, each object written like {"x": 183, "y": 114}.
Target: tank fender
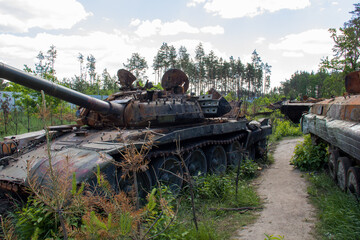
{"x": 81, "y": 161}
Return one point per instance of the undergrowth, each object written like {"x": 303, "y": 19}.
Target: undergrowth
{"x": 284, "y": 128}
{"x": 338, "y": 212}
{"x": 114, "y": 215}
{"x": 308, "y": 156}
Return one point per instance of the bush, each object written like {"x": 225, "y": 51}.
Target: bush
{"x": 309, "y": 157}
{"x": 284, "y": 128}
{"x": 35, "y": 221}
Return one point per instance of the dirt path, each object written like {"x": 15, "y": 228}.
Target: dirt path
{"x": 287, "y": 211}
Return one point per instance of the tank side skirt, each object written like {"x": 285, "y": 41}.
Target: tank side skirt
{"x": 341, "y": 134}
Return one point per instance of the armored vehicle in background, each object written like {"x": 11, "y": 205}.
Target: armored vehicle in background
{"x": 180, "y": 124}
{"x": 337, "y": 122}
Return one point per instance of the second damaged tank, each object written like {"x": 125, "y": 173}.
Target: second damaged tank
{"x": 180, "y": 124}
{"x": 336, "y": 121}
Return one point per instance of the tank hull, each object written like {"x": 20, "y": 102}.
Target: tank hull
{"x": 86, "y": 149}
{"x": 336, "y": 121}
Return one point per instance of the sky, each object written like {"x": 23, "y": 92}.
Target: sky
{"x": 289, "y": 35}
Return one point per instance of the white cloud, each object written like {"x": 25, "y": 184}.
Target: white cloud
{"x": 334, "y": 3}
{"x": 245, "y": 8}
{"x": 293, "y": 54}
{"x": 135, "y": 22}
{"x": 149, "y": 28}
{"x": 111, "y": 50}
{"x": 20, "y": 16}
{"x": 193, "y": 3}
{"x": 213, "y": 30}
{"x": 176, "y": 27}
{"x": 260, "y": 40}
{"x": 314, "y": 41}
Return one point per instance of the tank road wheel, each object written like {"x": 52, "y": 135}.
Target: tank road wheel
{"x": 144, "y": 183}
{"x": 196, "y": 163}
{"x": 343, "y": 166}
{"x": 168, "y": 171}
{"x": 216, "y": 159}
{"x": 234, "y": 153}
{"x": 353, "y": 181}
{"x": 333, "y": 163}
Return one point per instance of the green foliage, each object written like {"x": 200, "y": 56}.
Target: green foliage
{"x": 218, "y": 188}
{"x": 213, "y": 186}
{"x": 181, "y": 231}
{"x": 338, "y": 212}
{"x": 308, "y": 156}
{"x": 317, "y": 85}
{"x": 273, "y": 237}
{"x": 35, "y": 221}
{"x": 159, "y": 212}
{"x": 284, "y": 128}
{"x": 231, "y": 96}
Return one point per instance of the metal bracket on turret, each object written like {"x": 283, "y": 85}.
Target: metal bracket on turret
{"x": 208, "y": 105}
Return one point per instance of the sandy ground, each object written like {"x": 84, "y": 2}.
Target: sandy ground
{"x": 287, "y": 211}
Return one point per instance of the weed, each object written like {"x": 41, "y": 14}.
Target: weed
{"x": 309, "y": 157}
{"x": 273, "y": 237}
{"x": 284, "y": 128}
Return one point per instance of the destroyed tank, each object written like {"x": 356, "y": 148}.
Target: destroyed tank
{"x": 336, "y": 121}
{"x": 202, "y": 130}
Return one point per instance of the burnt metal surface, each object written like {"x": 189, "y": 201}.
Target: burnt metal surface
{"x": 337, "y": 120}
{"x": 125, "y": 78}
{"x": 123, "y": 120}
{"x": 294, "y": 110}
{"x": 176, "y": 80}
{"x": 352, "y": 82}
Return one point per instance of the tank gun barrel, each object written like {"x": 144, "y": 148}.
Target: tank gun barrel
{"x": 25, "y": 79}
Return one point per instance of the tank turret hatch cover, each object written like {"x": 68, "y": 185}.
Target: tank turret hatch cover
{"x": 176, "y": 80}
{"x": 126, "y": 78}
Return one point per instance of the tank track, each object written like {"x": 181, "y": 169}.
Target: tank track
{"x": 189, "y": 146}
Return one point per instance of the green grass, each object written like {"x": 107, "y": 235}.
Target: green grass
{"x": 338, "y": 212}
{"x": 215, "y": 191}
{"x": 221, "y": 224}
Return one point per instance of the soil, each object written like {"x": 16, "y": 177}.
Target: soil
{"x": 287, "y": 211}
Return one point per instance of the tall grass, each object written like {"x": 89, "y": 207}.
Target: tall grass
{"x": 338, "y": 212}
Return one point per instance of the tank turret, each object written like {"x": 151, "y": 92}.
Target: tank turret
{"x": 134, "y": 107}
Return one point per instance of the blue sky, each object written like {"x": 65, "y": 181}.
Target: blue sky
{"x": 289, "y": 35}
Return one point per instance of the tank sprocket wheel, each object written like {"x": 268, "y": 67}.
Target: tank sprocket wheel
{"x": 333, "y": 163}
{"x": 234, "y": 153}
{"x": 353, "y": 181}
{"x": 196, "y": 163}
{"x": 216, "y": 159}
{"x": 168, "y": 171}
{"x": 344, "y": 164}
